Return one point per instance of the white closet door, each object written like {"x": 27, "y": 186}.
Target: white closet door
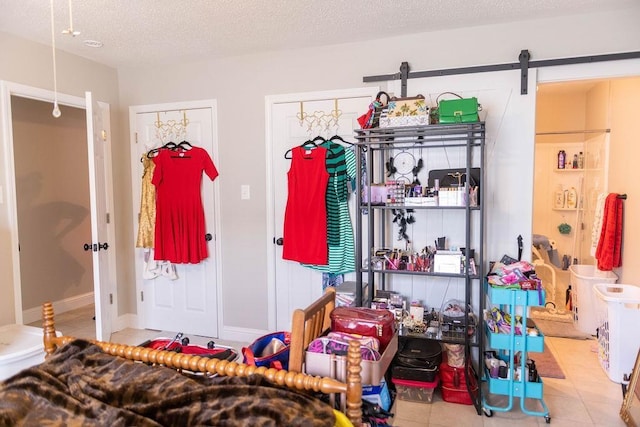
{"x": 297, "y": 286}
{"x": 189, "y": 303}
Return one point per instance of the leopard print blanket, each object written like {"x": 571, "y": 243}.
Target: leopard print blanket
{"x": 79, "y": 385}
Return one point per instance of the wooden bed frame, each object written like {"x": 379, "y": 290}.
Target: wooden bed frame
{"x": 351, "y": 389}
{"x": 309, "y": 324}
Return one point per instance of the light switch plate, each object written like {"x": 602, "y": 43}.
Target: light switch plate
{"x": 245, "y": 192}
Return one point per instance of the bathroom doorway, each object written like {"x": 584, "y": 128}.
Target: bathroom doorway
{"x": 575, "y": 118}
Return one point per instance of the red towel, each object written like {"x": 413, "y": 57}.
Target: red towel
{"x": 608, "y": 253}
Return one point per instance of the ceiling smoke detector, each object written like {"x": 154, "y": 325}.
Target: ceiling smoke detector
{"x": 93, "y": 43}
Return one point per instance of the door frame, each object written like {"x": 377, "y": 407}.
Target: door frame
{"x": 270, "y": 101}
{"x": 7, "y": 90}
{"x": 217, "y": 224}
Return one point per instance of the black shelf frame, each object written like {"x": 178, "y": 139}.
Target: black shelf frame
{"x": 375, "y": 143}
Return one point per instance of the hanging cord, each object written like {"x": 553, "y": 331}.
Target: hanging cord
{"x": 56, "y": 110}
{"x": 70, "y": 31}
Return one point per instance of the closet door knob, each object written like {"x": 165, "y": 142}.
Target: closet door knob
{"x": 95, "y": 247}
{"x": 280, "y": 241}
{"x": 208, "y": 237}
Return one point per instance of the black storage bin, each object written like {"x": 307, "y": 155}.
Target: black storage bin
{"x": 417, "y": 359}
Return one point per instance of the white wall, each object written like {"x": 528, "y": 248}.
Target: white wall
{"x": 240, "y": 85}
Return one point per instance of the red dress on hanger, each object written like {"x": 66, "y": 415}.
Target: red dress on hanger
{"x": 305, "y": 216}
{"x": 180, "y": 226}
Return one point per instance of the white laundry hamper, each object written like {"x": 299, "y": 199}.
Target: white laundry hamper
{"x": 618, "y": 314}
{"x": 583, "y": 277}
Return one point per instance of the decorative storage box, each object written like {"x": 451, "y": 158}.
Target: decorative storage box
{"x": 335, "y": 366}
{"x": 20, "y": 347}
{"x": 415, "y": 391}
{"x": 411, "y": 111}
{"x": 447, "y": 262}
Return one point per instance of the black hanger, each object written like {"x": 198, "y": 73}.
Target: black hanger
{"x": 312, "y": 142}
{"x": 185, "y": 145}
{"x": 339, "y": 138}
{"x": 169, "y": 145}
{"x": 307, "y": 144}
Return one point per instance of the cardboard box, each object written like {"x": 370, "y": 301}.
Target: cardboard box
{"x": 334, "y": 366}
{"x": 378, "y": 395}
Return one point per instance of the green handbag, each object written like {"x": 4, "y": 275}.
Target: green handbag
{"x": 462, "y": 110}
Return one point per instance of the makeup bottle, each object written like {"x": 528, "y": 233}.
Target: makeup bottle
{"x": 572, "y": 199}
{"x": 562, "y": 157}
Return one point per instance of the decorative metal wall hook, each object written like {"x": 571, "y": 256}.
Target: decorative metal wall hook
{"x": 319, "y": 119}
{"x": 171, "y": 129}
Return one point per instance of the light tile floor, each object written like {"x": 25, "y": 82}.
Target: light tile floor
{"x": 586, "y": 397}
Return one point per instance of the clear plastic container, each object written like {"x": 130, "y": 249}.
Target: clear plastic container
{"x": 618, "y": 314}
{"x": 583, "y": 277}
{"x": 415, "y": 391}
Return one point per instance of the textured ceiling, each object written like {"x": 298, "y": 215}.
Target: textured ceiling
{"x": 136, "y": 32}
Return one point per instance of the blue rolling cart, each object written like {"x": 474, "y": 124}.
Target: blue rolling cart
{"x": 507, "y": 345}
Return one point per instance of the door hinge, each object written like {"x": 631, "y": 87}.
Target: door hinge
{"x": 104, "y": 135}
{"x": 111, "y": 299}
{"x": 108, "y": 218}
{"x": 142, "y": 296}
{"x": 136, "y": 137}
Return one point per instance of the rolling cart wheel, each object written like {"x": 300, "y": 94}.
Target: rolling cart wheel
{"x": 547, "y": 419}
{"x": 185, "y": 341}
{"x": 487, "y": 412}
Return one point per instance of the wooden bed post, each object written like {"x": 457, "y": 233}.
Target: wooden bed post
{"x": 49, "y": 328}
{"x": 354, "y": 383}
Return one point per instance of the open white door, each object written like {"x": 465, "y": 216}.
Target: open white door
{"x": 97, "y": 138}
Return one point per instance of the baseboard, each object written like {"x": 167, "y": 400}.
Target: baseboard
{"x": 125, "y": 321}
{"x": 241, "y": 334}
{"x": 62, "y": 306}
{"x": 245, "y": 335}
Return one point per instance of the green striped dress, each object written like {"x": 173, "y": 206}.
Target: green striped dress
{"x": 341, "y": 166}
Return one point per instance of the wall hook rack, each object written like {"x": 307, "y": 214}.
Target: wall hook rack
{"x": 319, "y": 119}
{"x": 171, "y": 129}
